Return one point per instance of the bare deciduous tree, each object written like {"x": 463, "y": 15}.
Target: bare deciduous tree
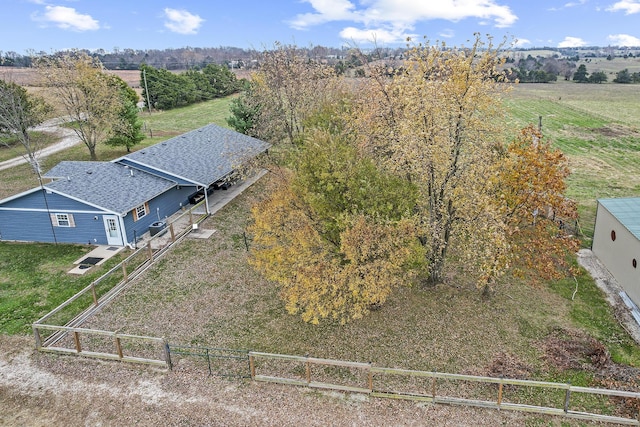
{"x": 20, "y": 111}
{"x": 89, "y": 97}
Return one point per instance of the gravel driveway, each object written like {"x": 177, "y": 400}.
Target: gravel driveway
{"x": 68, "y": 138}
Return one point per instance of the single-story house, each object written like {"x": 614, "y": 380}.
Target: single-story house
{"x": 616, "y": 242}
{"x": 113, "y": 203}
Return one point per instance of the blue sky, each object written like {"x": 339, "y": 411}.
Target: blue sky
{"x": 51, "y": 25}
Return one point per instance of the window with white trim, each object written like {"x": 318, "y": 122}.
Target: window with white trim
{"x": 62, "y": 220}
{"x": 141, "y": 211}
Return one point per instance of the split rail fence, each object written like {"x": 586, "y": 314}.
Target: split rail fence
{"x": 557, "y": 399}
{"x": 60, "y": 331}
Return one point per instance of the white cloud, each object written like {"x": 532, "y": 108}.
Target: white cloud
{"x": 572, "y": 42}
{"x": 522, "y": 42}
{"x": 67, "y": 18}
{"x": 396, "y": 19}
{"x": 624, "y": 40}
{"x": 575, "y": 3}
{"x": 328, "y": 10}
{"x": 447, "y": 34}
{"x": 568, "y": 5}
{"x": 628, "y": 6}
{"x": 379, "y": 35}
{"x": 181, "y": 21}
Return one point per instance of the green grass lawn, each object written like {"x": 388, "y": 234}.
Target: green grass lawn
{"x": 10, "y": 147}
{"x": 597, "y": 127}
{"x": 34, "y": 281}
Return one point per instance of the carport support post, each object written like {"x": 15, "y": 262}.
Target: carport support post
{"x": 206, "y": 201}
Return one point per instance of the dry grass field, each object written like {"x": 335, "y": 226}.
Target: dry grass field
{"x": 28, "y": 77}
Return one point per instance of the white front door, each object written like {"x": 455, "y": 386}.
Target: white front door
{"x": 112, "y": 229}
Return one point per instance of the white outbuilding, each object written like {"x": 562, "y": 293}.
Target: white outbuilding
{"x": 616, "y": 242}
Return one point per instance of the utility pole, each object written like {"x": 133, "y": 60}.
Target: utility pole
{"x": 36, "y": 167}
{"x": 146, "y": 89}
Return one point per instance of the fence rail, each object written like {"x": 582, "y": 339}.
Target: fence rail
{"x": 159, "y": 346}
{"x": 54, "y": 327}
{"x": 373, "y": 377}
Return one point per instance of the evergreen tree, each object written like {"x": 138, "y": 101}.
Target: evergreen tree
{"x": 623, "y": 76}
{"x": 580, "y": 76}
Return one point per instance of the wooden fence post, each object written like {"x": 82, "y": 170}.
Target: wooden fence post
{"x": 173, "y": 233}
{"x": 433, "y": 388}
{"x": 500, "y": 387}
{"x": 76, "y": 338}
{"x": 150, "y": 250}
{"x": 370, "y": 378}
{"x": 93, "y": 292}
{"x": 566, "y": 398}
{"x": 252, "y": 367}
{"x": 190, "y": 217}
{"x": 119, "y": 347}
{"x": 124, "y": 271}
{"x": 308, "y": 370}
{"x": 36, "y": 333}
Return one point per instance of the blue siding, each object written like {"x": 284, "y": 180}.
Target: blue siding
{"x": 31, "y": 222}
{"x": 55, "y": 201}
{"x": 162, "y": 206}
{"x": 36, "y": 226}
{"x": 34, "y": 223}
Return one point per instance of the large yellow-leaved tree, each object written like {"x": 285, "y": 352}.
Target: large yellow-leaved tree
{"x": 437, "y": 123}
{"x": 335, "y": 233}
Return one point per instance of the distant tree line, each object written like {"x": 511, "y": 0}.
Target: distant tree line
{"x": 623, "y": 76}
{"x": 541, "y": 69}
{"x": 164, "y": 90}
{"x": 186, "y": 58}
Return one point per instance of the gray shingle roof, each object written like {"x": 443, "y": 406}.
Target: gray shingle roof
{"x": 202, "y": 156}
{"x": 626, "y": 210}
{"x": 107, "y": 185}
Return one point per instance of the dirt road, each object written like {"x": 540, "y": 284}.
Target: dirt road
{"x": 40, "y": 389}
{"x": 68, "y": 138}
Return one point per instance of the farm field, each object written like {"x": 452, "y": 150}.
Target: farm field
{"x": 204, "y": 293}
{"x": 597, "y": 126}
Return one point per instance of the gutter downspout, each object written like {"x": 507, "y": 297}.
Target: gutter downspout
{"x": 123, "y": 230}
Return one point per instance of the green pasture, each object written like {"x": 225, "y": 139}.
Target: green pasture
{"x": 611, "y": 67}
{"x": 596, "y": 126}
